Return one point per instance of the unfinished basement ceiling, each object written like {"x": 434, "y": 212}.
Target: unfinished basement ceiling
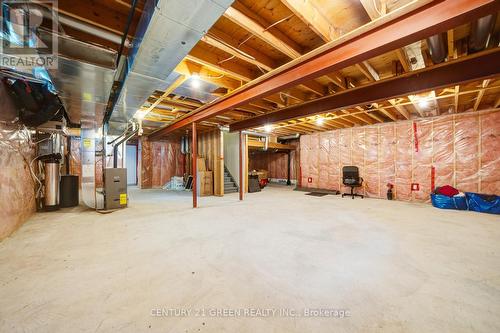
{"x": 255, "y": 37}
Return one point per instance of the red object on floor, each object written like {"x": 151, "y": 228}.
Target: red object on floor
{"x": 263, "y": 182}
{"x": 448, "y": 190}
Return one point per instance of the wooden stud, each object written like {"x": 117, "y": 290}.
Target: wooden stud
{"x": 481, "y": 94}
{"x": 451, "y": 44}
{"x": 456, "y": 97}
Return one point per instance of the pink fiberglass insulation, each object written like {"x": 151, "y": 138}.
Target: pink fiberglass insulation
{"x": 403, "y": 160}
{"x": 371, "y": 151}
{"x": 324, "y": 148}
{"x": 314, "y": 159}
{"x": 489, "y": 181}
{"x": 145, "y": 166}
{"x": 387, "y": 153}
{"x": 422, "y": 158}
{"x": 443, "y": 155}
{"x": 345, "y": 153}
{"x": 333, "y": 159}
{"x": 463, "y": 149}
{"x": 358, "y": 151}
{"x": 307, "y": 154}
{"x": 467, "y": 153}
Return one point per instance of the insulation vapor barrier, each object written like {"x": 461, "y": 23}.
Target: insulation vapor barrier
{"x": 17, "y": 185}
{"x": 159, "y": 161}
{"x": 275, "y": 163}
{"x": 414, "y": 156}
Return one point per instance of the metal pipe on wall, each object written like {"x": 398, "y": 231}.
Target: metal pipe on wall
{"x": 116, "y": 145}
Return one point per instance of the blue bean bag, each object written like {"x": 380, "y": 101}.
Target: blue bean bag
{"x": 478, "y": 203}
{"x": 446, "y": 202}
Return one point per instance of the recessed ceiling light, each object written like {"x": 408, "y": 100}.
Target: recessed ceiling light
{"x": 320, "y": 121}
{"x": 268, "y": 128}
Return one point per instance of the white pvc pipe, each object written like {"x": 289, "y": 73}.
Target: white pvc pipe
{"x": 90, "y": 29}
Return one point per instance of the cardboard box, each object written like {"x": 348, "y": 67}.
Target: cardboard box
{"x": 205, "y": 183}
{"x": 261, "y": 173}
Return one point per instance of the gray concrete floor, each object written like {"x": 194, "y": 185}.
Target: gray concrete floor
{"x": 394, "y": 266}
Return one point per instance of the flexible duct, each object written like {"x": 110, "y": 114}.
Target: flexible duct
{"x": 437, "y": 48}
{"x": 481, "y": 33}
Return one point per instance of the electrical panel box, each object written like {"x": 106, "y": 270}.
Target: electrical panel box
{"x": 115, "y": 188}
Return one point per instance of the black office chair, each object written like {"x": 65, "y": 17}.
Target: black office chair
{"x": 351, "y": 178}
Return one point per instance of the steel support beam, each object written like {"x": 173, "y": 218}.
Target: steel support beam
{"x": 433, "y": 18}
{"x": 241, "y": 165}
{"x": 194, "y": 161}
{"x": 473, "y": 68}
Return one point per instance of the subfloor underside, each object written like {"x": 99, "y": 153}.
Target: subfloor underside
{"x": 260, "y": 265}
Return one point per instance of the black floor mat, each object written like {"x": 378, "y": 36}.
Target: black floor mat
{"x": 317, "y": 194}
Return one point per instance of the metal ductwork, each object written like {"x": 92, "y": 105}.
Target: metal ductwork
{"x": 289, "y": 137}
{"x": 437, "y": 48}
{"x": 257, "y": 134}
{"x": 481, "y": 33}
{"x": 167, "y": 31}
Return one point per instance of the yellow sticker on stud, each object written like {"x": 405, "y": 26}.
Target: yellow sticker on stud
{"x": 87, "y": 143}
{"x": 123, "y": 199}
